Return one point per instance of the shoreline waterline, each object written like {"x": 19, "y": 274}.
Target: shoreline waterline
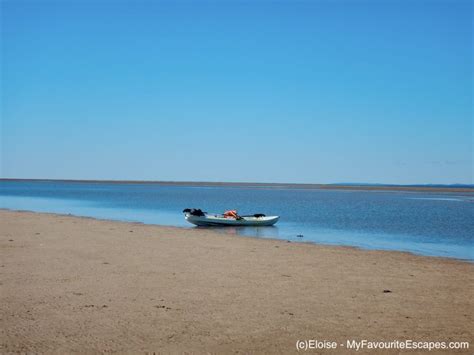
{"x": 218, "y": 231}
{"x": 421, "y": 223}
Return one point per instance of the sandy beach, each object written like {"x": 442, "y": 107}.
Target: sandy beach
{"x": 72, "y": 284}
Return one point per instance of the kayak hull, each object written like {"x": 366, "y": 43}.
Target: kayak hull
{"x": 219, "y": 221}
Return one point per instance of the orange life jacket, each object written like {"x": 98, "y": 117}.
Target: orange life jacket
{"x": 230, "y": 214}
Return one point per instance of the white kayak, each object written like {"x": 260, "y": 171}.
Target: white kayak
{"x": 220, "y": 220}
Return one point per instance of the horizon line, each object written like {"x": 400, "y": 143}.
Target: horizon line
{"x": 365, "y": 186}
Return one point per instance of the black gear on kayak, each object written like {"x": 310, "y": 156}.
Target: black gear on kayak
{"x": 194, "y": 212}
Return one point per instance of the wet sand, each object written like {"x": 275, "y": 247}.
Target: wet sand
{"x": 72, "y": 284}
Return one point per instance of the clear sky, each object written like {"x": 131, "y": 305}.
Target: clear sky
{"x": 282, "y": 91}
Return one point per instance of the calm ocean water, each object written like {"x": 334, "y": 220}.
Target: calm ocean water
{"x": 422, "y": 223}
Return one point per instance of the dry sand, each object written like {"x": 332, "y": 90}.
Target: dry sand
{"x": 73, "y": 284}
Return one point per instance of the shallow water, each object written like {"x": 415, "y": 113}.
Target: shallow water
{"x": 422, "y": 223}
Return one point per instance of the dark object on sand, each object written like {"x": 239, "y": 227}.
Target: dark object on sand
{"x": 387, "y": 291}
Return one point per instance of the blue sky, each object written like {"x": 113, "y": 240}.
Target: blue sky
{"x": 285, "y": 91}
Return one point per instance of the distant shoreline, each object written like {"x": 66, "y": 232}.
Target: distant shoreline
{"x": 303, "y": 186}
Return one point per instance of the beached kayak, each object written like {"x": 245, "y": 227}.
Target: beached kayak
{"x": 207, "y": 219}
